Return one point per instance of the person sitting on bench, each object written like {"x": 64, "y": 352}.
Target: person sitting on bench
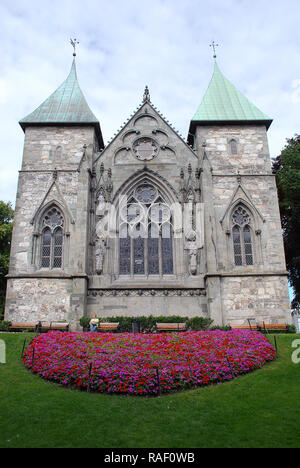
{"x": 94, "y": 322}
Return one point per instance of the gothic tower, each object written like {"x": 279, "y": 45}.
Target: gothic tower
{"x": 246, "y": 275}
{"x": 48, "y": 270}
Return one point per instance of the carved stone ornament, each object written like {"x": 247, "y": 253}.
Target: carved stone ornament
{"x": 99, "y": 255}
{"x": 101, "y": 236}
{"x": 191, "y": 236}
{"x": 145, "y": 149}
{"x": 146, "y": 292}
{"x": 100, "y": 211}
{"x": 193, "y": 261}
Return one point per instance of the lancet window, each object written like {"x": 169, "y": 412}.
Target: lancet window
{"x": 233, "y": 147}
{"x": 51, "y": 251}
{"x": 242, "y": 236}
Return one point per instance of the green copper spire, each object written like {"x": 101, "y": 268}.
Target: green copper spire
{"x": 223, "y": 103}
{"x": 67, "y": 105}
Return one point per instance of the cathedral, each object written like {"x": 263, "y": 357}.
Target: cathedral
{"x": 151, "y": 223}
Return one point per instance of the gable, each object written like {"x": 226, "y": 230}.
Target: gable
{"x": 147, "y": 138}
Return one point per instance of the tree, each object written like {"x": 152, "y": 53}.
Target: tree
{"x": 287, "y": 169}
{"x": 6, "y": 224}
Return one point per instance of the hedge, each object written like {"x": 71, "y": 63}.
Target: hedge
{"x": 148, "y": 323}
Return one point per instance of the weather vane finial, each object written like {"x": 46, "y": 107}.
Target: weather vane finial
{"x": 214, "y": 45}
{"x": 74, "y": 43}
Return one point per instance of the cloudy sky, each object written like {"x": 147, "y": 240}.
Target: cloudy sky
{"x": 125, "y": 45}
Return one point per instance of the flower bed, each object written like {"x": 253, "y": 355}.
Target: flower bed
{"x": 153, "y": 364}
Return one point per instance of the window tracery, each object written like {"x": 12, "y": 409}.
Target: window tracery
{"x": 241, "y": 235}
{"x": 51, "y": 252}
{"x": 146, "y": 241}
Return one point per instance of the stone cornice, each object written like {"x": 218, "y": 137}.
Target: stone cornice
{"x": 45, "y": 275}
{"x": 265, "y": 174}
{"x": 246, "y": 273}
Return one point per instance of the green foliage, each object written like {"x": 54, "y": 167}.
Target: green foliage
{"x": 199, "y": 323}
{"x": 4, "y": 325}
{"x": 222, "y": 328}
{"x": 287, "y": 169}
{"x": 6, "y": 225}
{"x": 291, "y": 329}
{"x": 148, "y": 323}
{"x": 85, "y": 322}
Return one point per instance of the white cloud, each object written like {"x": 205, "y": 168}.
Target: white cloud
{"x": 162, "y": 43}
{"x": 295, "y": 96}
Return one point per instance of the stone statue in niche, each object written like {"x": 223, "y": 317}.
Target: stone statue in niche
{"x": 99, "y": 254}
{"x": 100, "y": 211}
{"x": 193, "y": 261}
{"x": 101, "y": 234}
{"x": 191, "y": 246}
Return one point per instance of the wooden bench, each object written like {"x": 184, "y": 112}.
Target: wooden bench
{"x": 108, "y": 326}
{"x": 273, "y": 327}
{"x": 22, "y": 326}
{"x": 253, "y": 327}
{"x": 60, "y": 326}
{"x": 161, "y": 327}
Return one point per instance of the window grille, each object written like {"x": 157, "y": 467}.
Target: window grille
{"x": 46, "y": 248}
{"x": 237, "y": 247}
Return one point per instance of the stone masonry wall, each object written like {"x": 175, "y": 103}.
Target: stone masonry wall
{"x": 55, "y": 168}
{"x": 109, "y": 305}
{"x": 250, "y": 291}
{"x": 263, "y": 298}
{"x": 44, "y": 299}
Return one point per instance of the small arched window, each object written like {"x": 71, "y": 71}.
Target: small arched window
{"x": 58, "y": 153}
{"x": 233, "y": 147}
{"x": 242, "y": 238}
{"x": 52, "y": 239}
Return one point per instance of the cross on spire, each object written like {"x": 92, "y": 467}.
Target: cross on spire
{"x": 214, "y": 45}
{"x": 74, "y": 43}
{"x": 146, "y": 96}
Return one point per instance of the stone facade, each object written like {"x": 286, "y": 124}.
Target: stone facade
{"x": 203, "y": 188}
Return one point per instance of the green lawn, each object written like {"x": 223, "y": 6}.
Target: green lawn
{"x": 258, "y": 410}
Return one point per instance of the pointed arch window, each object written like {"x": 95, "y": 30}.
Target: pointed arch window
{"x": 146, "y": 239}
{"x": 242, "y": 236}
{"x": 52, "y": 235}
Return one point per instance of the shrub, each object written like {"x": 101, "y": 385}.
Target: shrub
{"x": 85, "y": 322}
{"x": 199, "y": 323}
{"x": 148, "y": 323}
{"x": 291, "y": 329}
{"x": 4, "y": 325}
{"x": 222, "y": 328}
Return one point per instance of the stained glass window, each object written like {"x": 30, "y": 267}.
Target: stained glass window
{"x": 241, "y": 234}
{"x": 46, "y": 248}
{"x": 52, "y": 239}
{"x": 237, "y": 246}
{"x": 248, "y": 246}
{"x": 146, "y": 251}
{"x": 139, "y": 256}
{"x": 58, "y": 248}
{"x": 125, "y": 250}
{"x": 153, "y": 250}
